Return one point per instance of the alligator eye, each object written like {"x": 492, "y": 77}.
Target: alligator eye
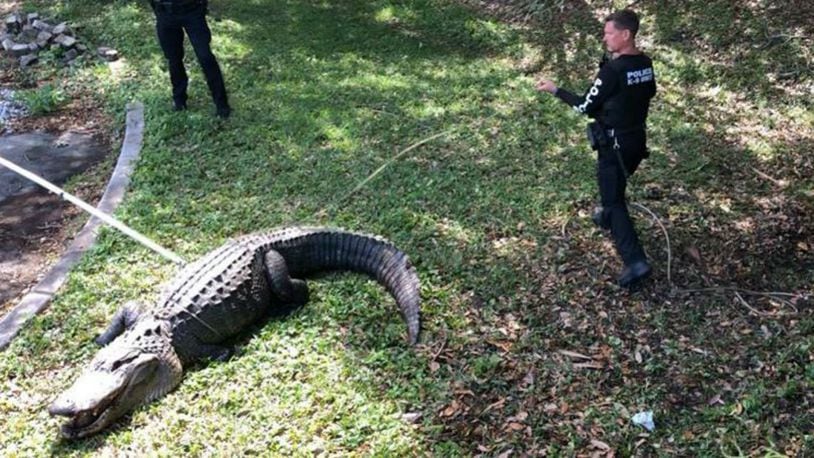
{"x": 117, "y": 364}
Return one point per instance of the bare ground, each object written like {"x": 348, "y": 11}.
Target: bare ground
{"x": 36, "y": 227}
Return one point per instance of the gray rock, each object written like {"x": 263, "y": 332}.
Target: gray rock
{"x": 18, "y": 50}
{"x": 34, "y": 47}
{"x": 42, "y": 25}
{"x": 28, "y": 34}
{"x": 8, "y": 43}
{"x": 65, "y": 41}
{"x": 70, "y": 55}
{"x": 108, "y": 54}
{"x": 33, "y": 17}
{"x": 81, "y": 47}
{"x": 43, "y": 38}
{"x": 13, "y": 23}
{"x": 61, "y": 28}
{"x": 28, "y": 60}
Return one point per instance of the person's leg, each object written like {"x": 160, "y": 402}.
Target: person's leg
{"x": 612, "y": 184}
{"x": 200, "y": 36}
{"x": 171, "y": 39}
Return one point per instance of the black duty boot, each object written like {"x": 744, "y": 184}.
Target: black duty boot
{"x": 179, "y": 106}
{"x": 634, "y": 274}
{"x": 223, "y": 112}
{"x": 599, "y": 218}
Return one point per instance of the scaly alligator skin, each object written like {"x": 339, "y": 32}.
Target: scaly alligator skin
{"x": 213, "y": 299}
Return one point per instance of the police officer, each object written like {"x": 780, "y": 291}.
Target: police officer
{"x": 173, "y": 18}
{"x": 618, "y": 101}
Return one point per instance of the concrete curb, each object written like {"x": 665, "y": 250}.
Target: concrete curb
{"x": 40, "y": 296}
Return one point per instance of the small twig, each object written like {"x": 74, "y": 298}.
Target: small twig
{"x": 573, "y": 354}
{"x": 698, "y": 168}
{"x": 778, "y": 183}
{"x": 436, "y": 354}
{"x": 373, "y": 175}
{"x": 666, "y": 237}
{"x": 738, "y": 291}
{"x": 376, "y": 110}
{"x": 564, "y": 225}
{"x": 746, "y": 304}
{"x": 393, "y": 159}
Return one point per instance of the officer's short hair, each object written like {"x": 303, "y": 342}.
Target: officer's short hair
{"x": 625, "y": 20}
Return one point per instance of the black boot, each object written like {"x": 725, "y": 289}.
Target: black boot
{"x": 634, "y": 274}
{"x": 600, "y": 219}
{"x": 223, "y": 112}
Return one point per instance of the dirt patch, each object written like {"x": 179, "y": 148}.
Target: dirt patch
{"x": 35, "y": 225}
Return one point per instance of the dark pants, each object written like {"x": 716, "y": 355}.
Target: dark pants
{"x": 170, "y": 26}
{"x": 612, "y": 185}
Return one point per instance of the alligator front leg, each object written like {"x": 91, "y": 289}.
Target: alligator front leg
{"x": 290, "y": 291}
{"x": 122, "y": 320}
{"x": 209, "y": 351}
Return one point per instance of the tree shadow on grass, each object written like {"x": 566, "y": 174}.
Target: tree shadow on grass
{"x": 761, "y": 48}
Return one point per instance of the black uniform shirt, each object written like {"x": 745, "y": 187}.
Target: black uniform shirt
{"x": 620, "y": 95}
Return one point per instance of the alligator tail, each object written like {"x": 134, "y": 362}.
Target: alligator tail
{"x": 311, "y": 250}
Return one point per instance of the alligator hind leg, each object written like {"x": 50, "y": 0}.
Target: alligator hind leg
{"x": 291, "y": 291}
{"x": 122, "y": 320}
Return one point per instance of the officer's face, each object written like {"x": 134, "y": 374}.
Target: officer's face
{"x": 614, "y": 38}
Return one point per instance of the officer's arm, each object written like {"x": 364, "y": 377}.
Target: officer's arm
{"x": 589, "y": 104}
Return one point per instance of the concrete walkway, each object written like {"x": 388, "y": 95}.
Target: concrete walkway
{"x": 41, "y": 295}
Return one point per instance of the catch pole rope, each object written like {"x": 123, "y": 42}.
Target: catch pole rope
{"x": 93, "y": 211}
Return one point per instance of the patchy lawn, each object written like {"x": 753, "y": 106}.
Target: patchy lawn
{"x": 528, "y": 348}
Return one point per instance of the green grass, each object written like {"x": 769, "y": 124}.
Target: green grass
{"x": 43, "y": 100}
{"x": 493, "y": 213}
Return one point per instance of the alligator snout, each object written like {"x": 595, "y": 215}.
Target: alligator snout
{"x": 62, "y": 407}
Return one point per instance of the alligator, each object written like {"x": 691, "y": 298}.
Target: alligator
{"x": 145, "y": 348}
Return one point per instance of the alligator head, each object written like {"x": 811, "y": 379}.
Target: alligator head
{"x": 136, "y": 368}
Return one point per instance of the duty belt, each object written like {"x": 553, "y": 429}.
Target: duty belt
{"x": 614, "y": 131}
{"x": 175, "y": 7}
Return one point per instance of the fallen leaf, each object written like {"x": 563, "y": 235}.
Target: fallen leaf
{"x": 491, "y": 406}
{"x": 550, "y": 408}
{"x": 451, "y": 409}
{"x": 411, "y": 417}
{"x": 694, "y": 254}
{"x": 600, "y": 445}
{"x": 514, "y": 426}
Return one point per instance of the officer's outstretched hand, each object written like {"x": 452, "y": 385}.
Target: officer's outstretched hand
{"x": 546, "y": 85}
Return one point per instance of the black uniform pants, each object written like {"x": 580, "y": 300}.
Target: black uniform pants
{"x": 612, "y": 185}
{"x": 170, "y": 27}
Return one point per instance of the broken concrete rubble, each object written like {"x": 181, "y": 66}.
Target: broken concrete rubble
{"x": 23, "y": 36}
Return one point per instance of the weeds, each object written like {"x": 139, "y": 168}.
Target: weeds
{"x": 43, "y": 100}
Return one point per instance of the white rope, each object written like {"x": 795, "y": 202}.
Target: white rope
{"x": 93, "y": 211}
